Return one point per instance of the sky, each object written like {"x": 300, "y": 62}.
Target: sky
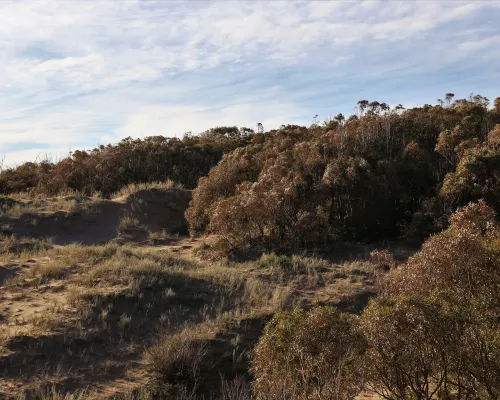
{"x": 76, "y": 74}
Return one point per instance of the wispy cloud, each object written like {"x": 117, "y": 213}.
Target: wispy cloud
{"x": 75, "y": 74}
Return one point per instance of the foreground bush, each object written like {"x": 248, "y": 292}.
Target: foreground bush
{"x": 309, "y": 355}
{"x": 436, "y": 331}
{"x": 413, "y": 348}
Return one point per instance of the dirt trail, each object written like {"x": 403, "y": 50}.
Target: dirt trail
{"x": 91, "y": 354}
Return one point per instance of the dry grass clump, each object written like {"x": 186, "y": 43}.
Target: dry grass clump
{"x": 92, "y": 255}
{"x": 358, "y": 271}
{"x": 135, "y": 187}
{"x": 236, "y": 389}
{"x": 53, "y": 394}
{"x": 84, "y": 300}
{"x": 128, "y": 223}
{"x": 135, "y": 268}
{"x": 175, "y": 360}
{"x": 67, "y": 204}
{"x": 50, "y": 262}
{"x": 305, "y": 272}
{"x": 47, "y": 321}
{"x": 286, "y": 267}
{"x": 247, "y": 294}
{"x": 191, "y": 364}
{"x": 13, "y": 246}
{"x": 158, "y": 236}
{"x": 40, "y": 273}
{"x": 34, "y": 194}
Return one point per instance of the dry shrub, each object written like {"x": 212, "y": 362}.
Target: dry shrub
{"x": 413, "y": 345}
{"x": 462, "y": 262}
{"x": 382, "y": 258}
{"x": 363, "y": 178}
{"x": 106, "y": 169}
{"x": 435, "y": 332}
{"x": 480, "y": 352}
{"x": 309, "y": 355}
{"x": 175, "y": 361}
{"x": 236, "y": 389}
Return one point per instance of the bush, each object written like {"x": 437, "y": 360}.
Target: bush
{"x": 106, "y": 169}
{"x": 309, "y": 355}
{"x": 413, "y": 346}
{"x": 175, "y": 362}
{"x": 381, "y": 175}
{"x": 461, "y": 263}
{"x": 435, "y": 331}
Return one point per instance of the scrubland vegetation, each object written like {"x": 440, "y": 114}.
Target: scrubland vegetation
{"x": 383, "y": 174}
{"x": 355, "y": 259}
{"x": 107, "y": 169}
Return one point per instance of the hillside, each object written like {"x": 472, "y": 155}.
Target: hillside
{"x": 354, "y": 259}
{"x": 100, "y": 318}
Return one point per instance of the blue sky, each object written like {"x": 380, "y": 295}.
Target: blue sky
{"x": 75, "y": 74}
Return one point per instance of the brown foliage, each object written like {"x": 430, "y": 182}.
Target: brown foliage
{"x": 462, "y": 262}
{"x": 435, "y": 331}
{"x": 106, "y": 169}
{"x": 313, "y": 355}
{"x": 412, "y": 345}
{"x": 382, "y": 174}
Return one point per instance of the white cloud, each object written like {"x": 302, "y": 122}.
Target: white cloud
{"x": 76, "y": 72}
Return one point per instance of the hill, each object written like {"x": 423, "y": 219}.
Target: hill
{"x": 354, "y": 259}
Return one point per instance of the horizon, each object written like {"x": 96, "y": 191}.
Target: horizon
{"x": 77, "y": 75}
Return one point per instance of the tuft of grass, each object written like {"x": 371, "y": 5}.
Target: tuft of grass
{"x": 159, "y": 236}
{"x": 135, "y": 187}
{"x": 127, "y": 223}
{"x": 176, "y": 358}
{"x": 69, "y": 203}
{"x": 54, "y": 394}
{"x": 247, "y": 294}
{"x": 285, "y": 269}
{"x": 135, "y": 268}
{"x": 13, "y": 246}
{"x": 124, "y": 321}
{"x": 359, "y": 271}
{"x": 43, "y": 273}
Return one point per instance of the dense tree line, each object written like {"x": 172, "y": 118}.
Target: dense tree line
{"x": 106, "y": 169}
{"x": 381, "y": 173}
